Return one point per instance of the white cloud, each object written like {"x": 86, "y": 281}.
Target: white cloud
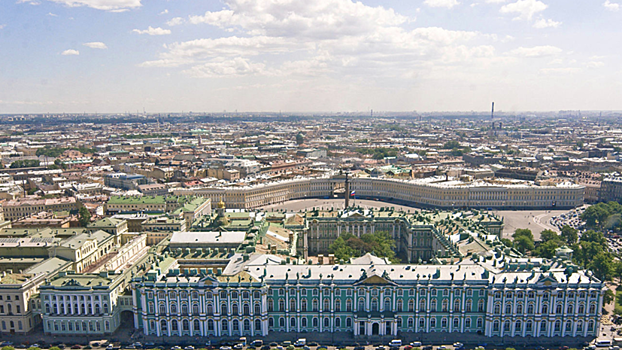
{"x": 227, "y": 67}
{"x": 546, "y": 23}
{"x": 70, "y": 52}
{"x": 96, "y": 45}
{"x": 441, "y": 3}
{"x": 495, "y": 1}
{"x": 52, "y": 14}
{"x": 106, "y": 5}
{"x": 595, "y": 64}
{"x": 30, "y": 2}
{"x": 318, "y": 38}
{"x": 562, "y": 70}
{"x": 536, "y": 51}
{"x": 164, "y": 12}
{"x": 611, "y": 6}
{"x": 175, "y": 21}
{"x": 525, "y": 9}
{"x": 2, "y": 26}
{"x": 153, "y": 31}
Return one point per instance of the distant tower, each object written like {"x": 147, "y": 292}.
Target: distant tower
{"x": 347, "y": 192}
{"x": 492, "y": 113}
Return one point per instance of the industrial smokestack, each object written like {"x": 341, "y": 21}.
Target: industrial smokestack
{"x": 492, "y": 113}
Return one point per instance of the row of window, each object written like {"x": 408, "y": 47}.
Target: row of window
{"x": 77, "y": 326}
{"x": 546, "y": 295}
{"x": 529, "y": 326}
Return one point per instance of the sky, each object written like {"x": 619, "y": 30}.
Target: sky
{"x": 114, "y": 56}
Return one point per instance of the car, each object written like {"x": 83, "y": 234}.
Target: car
{"x": 408, "y": 347}
{"x": 138, "y": 345}
{"x": 189, "y": 347}
{"x": 176, "y": 347}
{"x": 358, "y": 347}
{"x": 380, "y": 347}
{"x": 280, "y": 348}
{"x": 442, "y": 347}
{"x": 225, "y": 347}
{"x": 265, "y": 347}
{"x": 237, "y": 346}
{"x": 427, "y": 347}
{"x": 322, "y": 347}
{"x": 415, "y": 344}
{"x": 274, "y": 344}
{"x": 61, "y": 346}
{"x": 131, "y": 346}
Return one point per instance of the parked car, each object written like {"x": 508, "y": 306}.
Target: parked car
{"x": 189, "y": 347}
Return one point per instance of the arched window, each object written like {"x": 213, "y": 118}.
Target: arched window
{"x": 281, "y": 322}
{"x": 245, "y": 295}
{"x": 257, "y": 325}
{"x": 519, "y": 308}
{"x": 257, "y": 309}
{"x": 581, "y": 309}
{"x": 292, "y": 305}
{"x": 480, "y": 323}
{"x": 545, "y": 309}
{"x": 210, "y": 325}
{"x": 315, "y": 305}
{"x": 234, "y": 295}
{"x": 185, "y": 325}
{"x": 569, "y": 308}
{"x": 558, "y": 309}
{"x": 256, "y": 295}
{"x": 174, "y": 326}
{"x": 400, "y": 305}
{"x": 530, "y": 309}
{"x": 348, "y": 322}
{"x": 467, "y": 323}
{"x": 387, "y": 304}
{"x": 246, "y": 309}
{"x": 456, "y": 324}
{"x": 506, "y": 326}
{"x": 543, "y": 326}
{"x": 210, "y": 309}
{"x": 224, "y": 325}
{"x": 374, "y": 304}
{"x": 579, "y": 327}
{"x": 411, "y": 306}
{"x": 315, "y": 322}
{"x": 236, "y": 325}
{"x": 163, "y": 326}
{"x": 433, "y": 306}
{"x": 337, "y": 305}
{"x": 223, "y": 309}
{"x": 195, "y": 295}
{"x": 326, "y": 322}
{"x": 271, "y": 322}
{"x": 457, "y": 305}
{"x": 495, "y": 326}
{"x": 338, "y": 322}
{"x": 247, "y": 325}
{"x": 480, "y": 306}
{"x": 590, "y": 326}
{"x": 497, "y": 309}
{"x": 508, "y": 308}
{"x": 349, "y": 305}
{"x": 197, "y": 325}
{"x": 422, "y": 305}
{"x": 410, "y": 323}
{"x": 234, "y": 309}
{"x": 209, "y": 296}
{"x": 270, "y": 305}
{"x": 195, "y": 309}
{"x": 173, "y": 308}
{"x": 303, "y": 322}
{"x": 162, "y": 309}
{"x": 568, "y": 326}
{"x": 433, "y": 322}
{"x": 445, "y": 305}
{"x": 292, "y": 322}
{"x": 326, "y": 305}
{"x": 529, "y": 326}
{"x": 558, "y": 326}
{"x": 303, "y": 305}
{"x": 281, "y": 305}
{"x": 518, "y": 326}
{"x": 184, "y": 309}
{"x": 443, "y": 322}
{"x": 592, "y": 308}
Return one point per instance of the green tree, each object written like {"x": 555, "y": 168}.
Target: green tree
{"x": 507, "y": 242}
{"x": 523, "y": 232}
{"x": 300, "y": 139}
{"x": 451, "y": 144}
{"x": 85, "y": 217}
{"x": 547, "y": 249}
{"x": 569, "y": 235}
{"x": 608, "y": 298}
{"x": 8, "y": 348}
{"x": 341, "y": 250}
{"x": 523, "y": 244}
{"x": 549, "y": 235}
{"x": 602, "y": 266}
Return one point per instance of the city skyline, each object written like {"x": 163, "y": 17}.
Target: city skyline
{"x": 111, "y": 56}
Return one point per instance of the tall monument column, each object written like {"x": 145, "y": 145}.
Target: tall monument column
{"x": 347, "y": 194}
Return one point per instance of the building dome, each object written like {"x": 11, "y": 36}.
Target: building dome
{"x": 221, "y": 204}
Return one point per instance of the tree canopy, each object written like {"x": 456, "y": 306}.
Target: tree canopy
{"x": 348, "y": 246}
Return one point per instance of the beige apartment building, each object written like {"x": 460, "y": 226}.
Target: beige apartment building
{"x": 23, "y": 207}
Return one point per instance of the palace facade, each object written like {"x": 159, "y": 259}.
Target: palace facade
{"x": 433, "y": 192}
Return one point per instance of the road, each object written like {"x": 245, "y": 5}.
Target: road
{"x": 301, "y": 204}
